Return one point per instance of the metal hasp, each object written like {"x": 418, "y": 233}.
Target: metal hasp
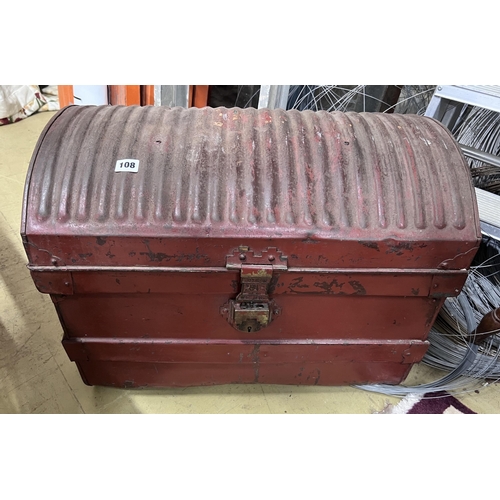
{"x": 253, "y": 309}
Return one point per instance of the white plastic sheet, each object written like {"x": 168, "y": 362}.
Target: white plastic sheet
{"x": 20, "y": 101}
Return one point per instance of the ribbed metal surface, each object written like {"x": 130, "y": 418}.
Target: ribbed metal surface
{"x": 222, "y": 170}
{"x": 489, "y": 207}
{"x": 492, "y": 90}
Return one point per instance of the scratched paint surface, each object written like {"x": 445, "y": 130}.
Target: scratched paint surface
{"x": 235, "y": 168}
{"x": 390, "y": 188}
{"x": 136, "y": 261}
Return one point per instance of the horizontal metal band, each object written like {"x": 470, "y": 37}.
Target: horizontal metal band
{"x": 245, "y": 352}
{"x": 317, "y": 270}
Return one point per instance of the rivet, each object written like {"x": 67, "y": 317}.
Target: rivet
{"x": 271, "y": 258}
{"x": 66, "y": 283}
{"x": 435, "y": 285}
{"x": 54, "y": 262}
{"x": 440, "y": 88}
{"x": 242, "y": 256}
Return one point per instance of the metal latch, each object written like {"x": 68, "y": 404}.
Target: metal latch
{"x": 253, "y": 309}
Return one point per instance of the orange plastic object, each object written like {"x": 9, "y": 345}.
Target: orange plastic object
{"x": 198, "y": 96}
{"x": 128, "y": 95}
{"x": 65, "y": 95}
{"x": 147, "y": 95}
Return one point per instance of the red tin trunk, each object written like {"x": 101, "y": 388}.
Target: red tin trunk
{"x": 210, "y": 246}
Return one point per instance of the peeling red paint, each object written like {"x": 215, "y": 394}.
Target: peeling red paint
{"x": 374, "y": 214}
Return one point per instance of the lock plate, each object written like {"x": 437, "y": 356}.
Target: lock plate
{"x": 253, "y": 309}
{"x": 250, "y": 316}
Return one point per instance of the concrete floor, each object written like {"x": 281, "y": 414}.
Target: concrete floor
{"x": 36, "y": 375}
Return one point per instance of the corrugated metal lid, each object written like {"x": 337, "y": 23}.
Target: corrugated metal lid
{"x": 217, "y": 172}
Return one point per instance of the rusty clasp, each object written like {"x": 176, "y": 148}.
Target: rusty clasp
{"x": 253, "y": 309}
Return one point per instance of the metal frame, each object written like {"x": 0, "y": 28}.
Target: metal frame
{"x": 449, "y": 101}
{"x": 171, "y": 96}
{"x": 488, "y": 203}
{"x": 273, "y": 96}
{"x": 489, "y": 211}
{"x": 477, "y": 154}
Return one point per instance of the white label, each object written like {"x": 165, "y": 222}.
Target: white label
{"x": 127, "y": 165}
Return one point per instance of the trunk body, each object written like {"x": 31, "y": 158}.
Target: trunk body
{"x": 246, "y": 245}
